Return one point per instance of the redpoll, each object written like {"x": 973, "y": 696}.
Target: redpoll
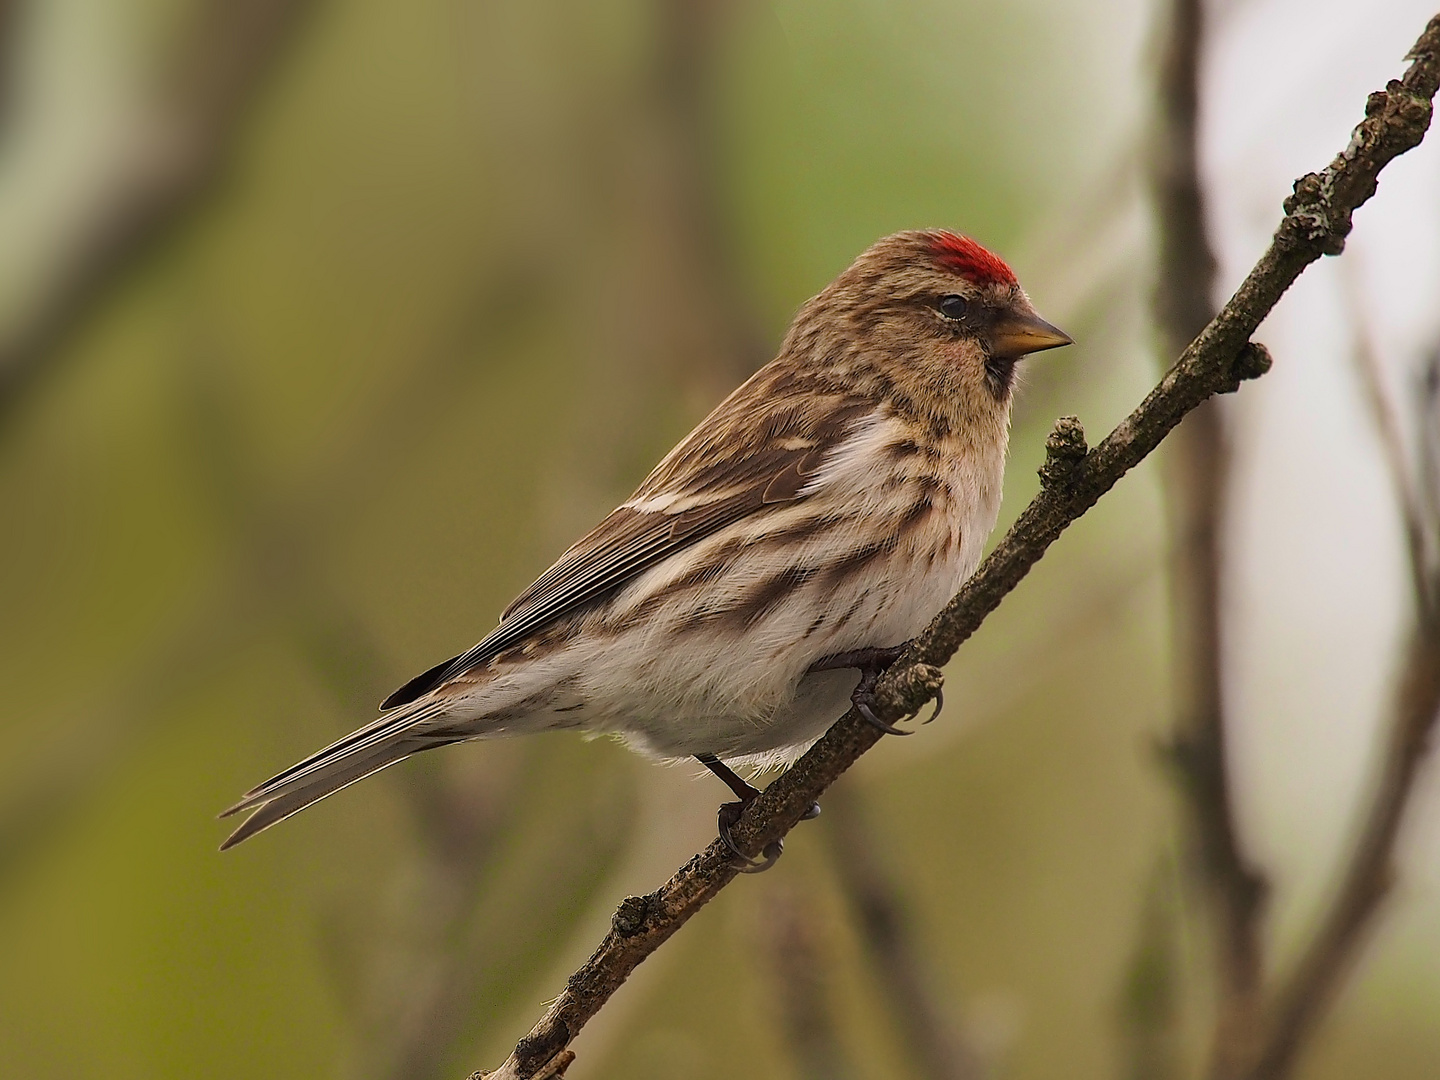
{"x": 831, "y": 505}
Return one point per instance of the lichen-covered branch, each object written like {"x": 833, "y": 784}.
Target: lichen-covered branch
{"x": 1317, "y": 220}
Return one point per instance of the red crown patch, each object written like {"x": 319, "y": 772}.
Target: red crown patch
{"x": 963, "y": 256}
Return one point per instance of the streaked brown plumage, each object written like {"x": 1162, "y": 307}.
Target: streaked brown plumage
{"x": 833, "y": 502}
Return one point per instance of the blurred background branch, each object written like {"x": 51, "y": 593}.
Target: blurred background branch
{"x": 792, "y": 946}
{"x": 1151, "y": 1005}
{"x": 934, "y": 1042}
{"x": 1367, "y": 876}
{"x": 185, "y": 134}
{"x": 690, "y": 213}
{"x": 12, "y": 13}
{"x": 1197, "y": 466}
{"x": 1257, "y": 1036}
{"x": 688, "y": 293}
{"x": 1406, "y": 468}
{"x": 277, "y": 543}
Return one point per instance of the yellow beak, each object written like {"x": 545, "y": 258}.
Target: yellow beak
{"x": 1020, "y": 332}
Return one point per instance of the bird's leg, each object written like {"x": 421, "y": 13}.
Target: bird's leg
{"x": 730, "y": 813}
{"x": 871, "y": 663}
{"x": 874, "y": 661}
{"x": 745, "y": 794}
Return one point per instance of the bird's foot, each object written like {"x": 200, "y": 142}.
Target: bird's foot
{"x": 862, "y": 703}
{"x": 871, "y": 663}
{"x": 730, "y": 813}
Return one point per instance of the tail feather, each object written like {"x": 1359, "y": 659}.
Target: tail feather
{"x": 356, "y": 756}
{"x": 384, "y": 729}
{"x": 274, "y": 810}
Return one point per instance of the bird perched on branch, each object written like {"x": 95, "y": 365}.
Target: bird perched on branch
{"x": 816, "y": 520}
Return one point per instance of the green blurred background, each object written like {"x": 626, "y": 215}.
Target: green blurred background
{"x": 325, "y": 326}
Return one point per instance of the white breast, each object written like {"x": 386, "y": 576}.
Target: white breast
{"x": 679, "y": 687}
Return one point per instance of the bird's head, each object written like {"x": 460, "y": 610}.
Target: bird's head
{"x": 938, "y": 314}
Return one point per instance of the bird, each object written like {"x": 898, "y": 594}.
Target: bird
{"x": 818, "y": 518}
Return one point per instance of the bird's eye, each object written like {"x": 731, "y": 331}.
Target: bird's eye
{"x": 953, "y": 307}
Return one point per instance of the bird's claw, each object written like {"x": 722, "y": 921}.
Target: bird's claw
{"x": 771, "y": 855}
{"x": 729, "y": 814}
{"x": 863, "y": 708}
{"x": 939, "y": 705}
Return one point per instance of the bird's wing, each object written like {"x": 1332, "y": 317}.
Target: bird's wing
{"x": 757, "y": 449}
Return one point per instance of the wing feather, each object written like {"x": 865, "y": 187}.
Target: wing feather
{"x": 755, "y": 451}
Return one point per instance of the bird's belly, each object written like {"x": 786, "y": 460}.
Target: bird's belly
{"x": 674, "y": 690}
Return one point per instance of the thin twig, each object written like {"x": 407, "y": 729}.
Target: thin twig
{"x": 1317, "y": 220}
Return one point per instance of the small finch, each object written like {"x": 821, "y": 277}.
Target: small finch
{"x": 818, "y": 518}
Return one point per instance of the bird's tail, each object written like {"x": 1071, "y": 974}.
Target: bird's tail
{"x": 389, "y": 739}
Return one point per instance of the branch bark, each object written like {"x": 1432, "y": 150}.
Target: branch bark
{"x": 1317, "y": 220}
